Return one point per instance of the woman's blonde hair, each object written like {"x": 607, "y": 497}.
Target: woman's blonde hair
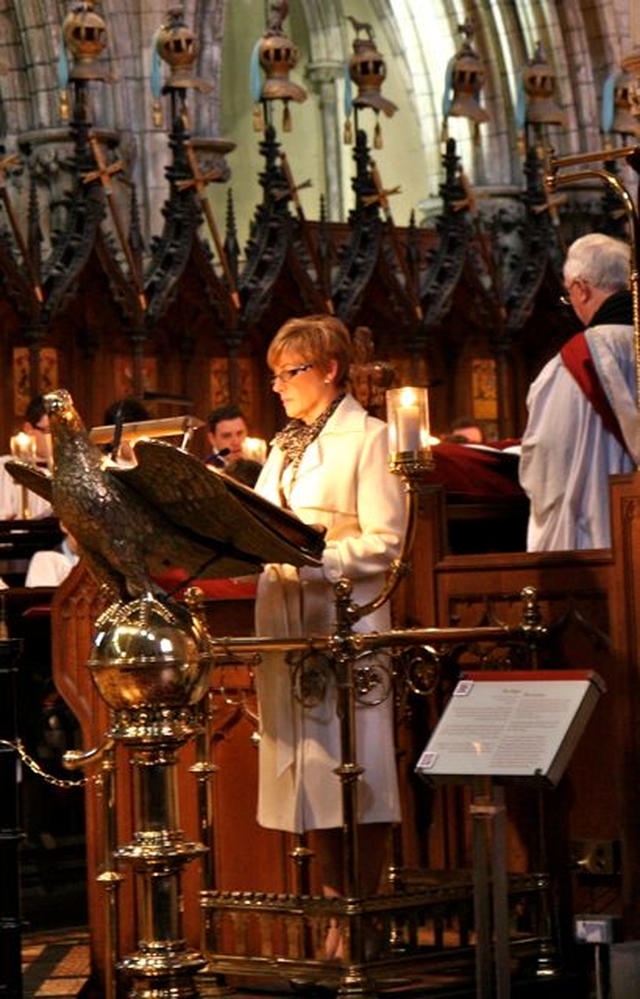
{"x": 318, "y": 339}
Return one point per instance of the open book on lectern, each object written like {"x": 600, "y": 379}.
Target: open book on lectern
{"x": 511, "y": 724}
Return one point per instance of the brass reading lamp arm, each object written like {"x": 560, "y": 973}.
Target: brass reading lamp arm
{"x": 552, "y": 181}
{"x": 347, "y": 611}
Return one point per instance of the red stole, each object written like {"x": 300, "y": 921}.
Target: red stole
{"x": 578, "y": 361}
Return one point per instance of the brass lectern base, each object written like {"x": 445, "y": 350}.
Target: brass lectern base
{"x": 410, "y": 941}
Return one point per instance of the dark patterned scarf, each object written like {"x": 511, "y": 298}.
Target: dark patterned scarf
{"x": 295, "y": 438}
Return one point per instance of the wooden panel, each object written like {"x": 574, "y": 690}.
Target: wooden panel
{"x": 574, "y": 592}
{"x": 588, "y": 602}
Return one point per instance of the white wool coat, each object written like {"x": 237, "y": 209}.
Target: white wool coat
{"x": 343, "y": 483}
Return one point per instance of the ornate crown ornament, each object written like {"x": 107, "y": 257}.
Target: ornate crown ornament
{"x": 84, "y": 34}
{"x": 465, "y": 78}
{"x": 539, "y": 82}
{"x": 277, "y": 56}
{"x": 621, "y": 105}
{"x": 84, "y": 38}
{"x": 368, "y": 71}
{"x": 178, "y": 46}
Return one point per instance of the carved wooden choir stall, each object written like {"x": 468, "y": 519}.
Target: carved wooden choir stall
{"x": 188, "y": 319}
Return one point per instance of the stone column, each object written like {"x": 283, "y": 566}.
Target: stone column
{"x": 323, "y": 76}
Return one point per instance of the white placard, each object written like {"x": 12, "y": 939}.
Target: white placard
{"x": 512, "y": 724}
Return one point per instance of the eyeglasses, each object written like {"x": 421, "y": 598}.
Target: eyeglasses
{"x": 566, "y": 298}
{"x": 43, "y": 430}
{"x": 289, "y": 373}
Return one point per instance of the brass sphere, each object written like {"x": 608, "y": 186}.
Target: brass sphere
{"x": 150, "y": 653}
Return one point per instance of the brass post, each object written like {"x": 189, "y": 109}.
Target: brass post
{"x": 110, "y": 878}
{"x": 345, "y": 646}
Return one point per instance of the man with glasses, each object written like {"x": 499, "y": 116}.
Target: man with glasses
{"x": 14, "y": 502}
{"x": 583, "y": 415}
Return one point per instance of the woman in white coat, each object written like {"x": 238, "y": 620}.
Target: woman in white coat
{"x": 329, "y": 465}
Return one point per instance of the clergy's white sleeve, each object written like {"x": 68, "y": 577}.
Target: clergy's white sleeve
{"x": 566, "y": 459}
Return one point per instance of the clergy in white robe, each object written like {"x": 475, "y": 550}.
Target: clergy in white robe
{"x": 573, "y": 443}
{"x": 51, "y": 567}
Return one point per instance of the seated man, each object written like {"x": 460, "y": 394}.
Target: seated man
{"x": 226, "y": 431}
{"x": 465, "y": 430}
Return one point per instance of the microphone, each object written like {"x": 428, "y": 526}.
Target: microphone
{"x": 216, "y": 458}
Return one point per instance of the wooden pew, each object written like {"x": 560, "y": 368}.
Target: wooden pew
{"x": 19, "y": 540}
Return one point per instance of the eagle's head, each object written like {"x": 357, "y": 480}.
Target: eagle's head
{"x": 66, "y": 423}
{"x": 58, "y": 402}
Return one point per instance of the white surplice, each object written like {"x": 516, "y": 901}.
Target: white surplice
{"x": 567, "y": 454}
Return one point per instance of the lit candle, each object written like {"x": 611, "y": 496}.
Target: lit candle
{"x": 23, "y": 446}
{"x": 408, "y": 421}
{"x": 255, "y": 448}
{"x": 409, "y": 428}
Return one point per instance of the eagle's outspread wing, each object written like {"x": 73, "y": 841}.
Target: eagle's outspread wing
{"x": 213, "y": 508}
{"x": 169, "y": 511}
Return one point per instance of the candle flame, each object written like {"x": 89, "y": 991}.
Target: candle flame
{"x": 23, "y": 446}
{"x": 255, "y": 448}
{"x": 408, "y": 396}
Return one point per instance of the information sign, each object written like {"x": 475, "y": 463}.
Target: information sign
{"x": 512, "y": 724}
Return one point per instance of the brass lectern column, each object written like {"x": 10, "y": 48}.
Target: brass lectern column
{"x": 163, "y": 966}
{"x": 151, "y": 664}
